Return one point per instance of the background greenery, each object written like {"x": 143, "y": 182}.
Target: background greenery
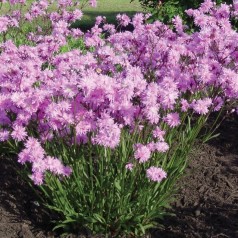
{"x": 109, "y": 9}
{"x": 165, "y": 10}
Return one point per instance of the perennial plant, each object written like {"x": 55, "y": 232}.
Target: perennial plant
{"x": 105, "y": 129}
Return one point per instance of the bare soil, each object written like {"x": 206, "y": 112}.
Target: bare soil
{"x": 206, "y": 204}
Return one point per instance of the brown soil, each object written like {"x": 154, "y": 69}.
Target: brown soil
{"x": 206, "y": 205}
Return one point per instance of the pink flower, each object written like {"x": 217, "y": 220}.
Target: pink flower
{"x": 218, "y": 103}
{"x": 65, "y": 3}
{"x": 108, "y": 132}
{"x": 177, "y": 21}
{"x": 129, "y": 166}
{"x": 235, "y": 4}
{"x": 138, "y": 19}
{"x": 19, "y": 133}
{"x": 4, "y": 24}
{"x": 77, "y": 14}
{"x": 24, "y": 157}
{"x": 55, "y": 166}
{"x": 184, "y": 105}
{"x": 93, "y": 3}
{"x": 161, "y": 146}
{"x": 100, "y": 19}
{"x": 37, "y": 177}
{"x": 60, "y": 28}
{"x": 123, "y": 19}
{"x": 110, "y": 28}
{"x": 4, "y": 135}
{"x": 151, "y": 113}
{"x": 39, "y": 165}
{"x": 66, "y": 171}
{"x": 201, "y": 106}
{"x": 83, "y": 127}
{"x": 172, "y": 119}
{"x": 76, "y": 32}
{"x": 156, "y": 174}
{"x": 159, "y": 134}
{"x": 34, "y": 149}
{"x": 206, "y": 6}
{"x": 142, "y": 153}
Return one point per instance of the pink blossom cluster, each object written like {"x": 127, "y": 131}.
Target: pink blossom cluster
{"x": 156, "y": 174}
{"x": 152, "y": 76}
{"x": 35, "y": 154}
{"x": 60, "y": 18}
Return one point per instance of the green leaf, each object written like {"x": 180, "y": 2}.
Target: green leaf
{"x": 117, "y": 185}
{"x": 99, "y": 218}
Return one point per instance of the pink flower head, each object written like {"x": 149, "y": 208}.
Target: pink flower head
{"x": 100, "y": 19}
{"x": 39, "y": 166}
{"x": 110, "y": 28}
{"x": 178, "y": 24}
{"x": 129, "y": 166}
{"x": 108, "y": 132}
{"x": 142, "y": 153}
{"x": 60, "y": 28}
{"x": 151, "y": 113}
{"x": 201, "y": 106}
{"x": 235, "y": 4}
{"x": 13, "y": 2}
{"x": 67, "y": 171}
{"x": 19, "y": 133}
{"x": 77, "y": 14}
{"x": 37, "y": 177}
{"x": 158, "y": 134}
{"x": 161, "y": 146}
{"x": 138, "y": 19}
{"x": 156, "y": 174}
{"x": 4, "y": 135}
{"x": 4, "y": 24}
{"x": 206, "y": 6}
{"x": 123, "y": 19}
{"x": 65, "y": 3}
{"x": 218, "y": 103}
{"x": 34, "y": 149}
{"x": 55, "y": 166}
{"x": 184, "y": 105}
{"x": 93, "y": 3}
{"x": 76, "y": 32}
{"x": 172, "y": 119}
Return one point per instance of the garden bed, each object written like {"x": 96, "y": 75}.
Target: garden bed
{"x": 207, "y": 205}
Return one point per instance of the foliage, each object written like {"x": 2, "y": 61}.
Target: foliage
{"x": 104, "y": 121}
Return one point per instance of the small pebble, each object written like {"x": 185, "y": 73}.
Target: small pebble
{"x": 197, "y": 212}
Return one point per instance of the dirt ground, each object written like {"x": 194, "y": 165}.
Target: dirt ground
{"x": 206, "y": 205}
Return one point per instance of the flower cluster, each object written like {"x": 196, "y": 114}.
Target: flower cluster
{"x": 59, "y": 19}
{"x": 149, "y": 76}
{"x": 156, "y": 174}
{"x": 35, "y": 154}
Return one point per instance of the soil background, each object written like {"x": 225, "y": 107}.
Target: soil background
{"x": 206, "y": 204}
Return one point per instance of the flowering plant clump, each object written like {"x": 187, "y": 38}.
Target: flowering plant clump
{"x": 106, "y": 130}
{"x": 24, "y": 20}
